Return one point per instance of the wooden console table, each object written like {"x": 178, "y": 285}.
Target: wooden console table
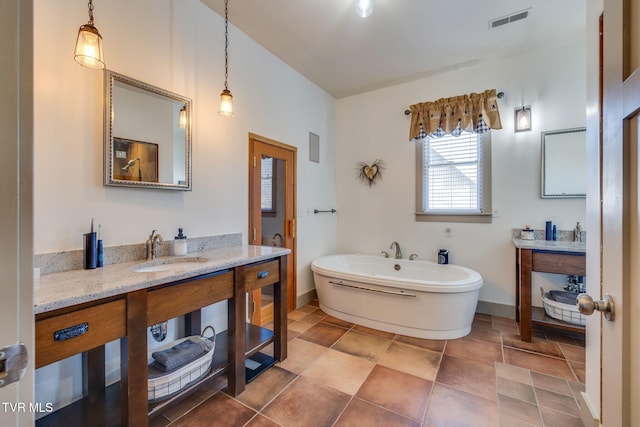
{"x": 85, "y": 328}
{"x": 548, "y": 257}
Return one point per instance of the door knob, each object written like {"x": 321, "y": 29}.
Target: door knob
{"x": 587, "y": 305}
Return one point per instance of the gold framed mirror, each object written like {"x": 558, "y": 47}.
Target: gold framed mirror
{"x": 147, "y": 135}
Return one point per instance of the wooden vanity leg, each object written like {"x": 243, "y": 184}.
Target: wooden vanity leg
{"x": 280, "y": 313}
{"x": 133, "y": 363}
{"x": 525, "y": 294}
{"x": 237, "y": 315}
{"x": 193, "y": 323}
{"x": 93, "y": 379}
{"x": 518, "y": 251}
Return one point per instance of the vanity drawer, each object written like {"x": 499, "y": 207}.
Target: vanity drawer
{"x": 61, "y": 336}
{"x": 559, "y": 263}
{"x": 259, "y": 275}
{"x": 182, "y": 298}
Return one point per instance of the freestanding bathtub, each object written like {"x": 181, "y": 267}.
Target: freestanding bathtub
{"x": 417, "y": 298}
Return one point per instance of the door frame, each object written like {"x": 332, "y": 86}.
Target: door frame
{"x": 255, "y": 220}
{"x": 16, "y": 193}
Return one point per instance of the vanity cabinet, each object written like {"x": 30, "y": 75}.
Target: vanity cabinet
{"x": 548, "y": 260}
{"x": 86, "y": 328}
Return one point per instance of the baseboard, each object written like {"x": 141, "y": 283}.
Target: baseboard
{"x": 587, "y": 412}
{"x": 495, "y": 309}
{"x": 306, "y": 298}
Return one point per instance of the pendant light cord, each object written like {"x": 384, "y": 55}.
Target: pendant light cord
{"x": 226, "y": 43}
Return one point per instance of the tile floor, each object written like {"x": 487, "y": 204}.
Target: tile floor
{"x": 340, "y": 374}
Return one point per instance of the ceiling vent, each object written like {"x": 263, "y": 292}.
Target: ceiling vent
{"x": 516, "y": 16}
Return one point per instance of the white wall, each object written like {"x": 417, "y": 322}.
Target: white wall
{"x": 372, "y": 126}
{"x": 177, "y": 46}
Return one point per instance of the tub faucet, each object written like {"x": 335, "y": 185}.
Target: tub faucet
{"x": 398, "y": 251}
{"x": 153, "y": 241}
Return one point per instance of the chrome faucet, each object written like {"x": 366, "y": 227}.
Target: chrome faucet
{"x": 398, "y": 251}
{"x": 154, "y": 240}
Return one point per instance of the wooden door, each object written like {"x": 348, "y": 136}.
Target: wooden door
{"x": 620, "y": 216}
{"x": 272, "y": 213}
{"x": 16, "y": 208}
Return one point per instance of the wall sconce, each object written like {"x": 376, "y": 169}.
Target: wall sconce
{"x": 226, "y": 99}
{"x": 89, "y": 44}
{"x": 364, "y": 8}
{"x": 522, "y": 119}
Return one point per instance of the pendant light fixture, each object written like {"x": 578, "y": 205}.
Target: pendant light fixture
{"x": 89, "y": 44}
{"x": 226, "y": 99}
{"x": 364, "y": 8}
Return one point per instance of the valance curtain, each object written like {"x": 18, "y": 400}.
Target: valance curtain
{"x": 475, "y": 112}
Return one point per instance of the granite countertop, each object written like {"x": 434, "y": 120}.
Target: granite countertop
{"x": 551, "y": 245}
{"x": 59, "y": 290}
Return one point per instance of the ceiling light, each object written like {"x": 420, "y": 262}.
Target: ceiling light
{"x": 89, "y": 44}
{"x": 364, "y": 8}
{"x": 226, "y": 99}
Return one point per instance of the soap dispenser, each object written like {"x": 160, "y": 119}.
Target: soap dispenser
{"x": 180, "y": 244}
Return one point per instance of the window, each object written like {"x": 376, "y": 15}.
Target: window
{"x": 267, "y": 186}
{"x": 454, "y": 178}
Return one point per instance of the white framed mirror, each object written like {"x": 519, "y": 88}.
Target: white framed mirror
{"x": 147, "y": 135}
{"x": 564, "y": 163}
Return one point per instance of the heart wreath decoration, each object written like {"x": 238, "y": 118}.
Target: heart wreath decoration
{"x": 369, "y": 174}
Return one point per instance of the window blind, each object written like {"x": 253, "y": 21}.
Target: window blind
{"x": 452, "y": 175}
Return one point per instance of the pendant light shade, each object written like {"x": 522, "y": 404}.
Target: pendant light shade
{"x": 226, "y": 104}
{"x": 226, "y": 99}
{"x": 89, "y": 44}
{"x": 182, "y": 117}
{"x": 364, "y": 8}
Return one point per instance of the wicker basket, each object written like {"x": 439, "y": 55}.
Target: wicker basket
{"x": 162, "y": 385}
{"x": 560, "y": 311}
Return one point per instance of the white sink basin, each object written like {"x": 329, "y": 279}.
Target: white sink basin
{"x": 168, "y": 264}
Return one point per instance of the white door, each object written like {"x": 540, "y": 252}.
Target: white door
{"x": 16, "y": 211}
{"x": 620, "y": 222}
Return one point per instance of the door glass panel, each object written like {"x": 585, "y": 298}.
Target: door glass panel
{"x": 272, "y": 192}
{"x": 272, "y": 203}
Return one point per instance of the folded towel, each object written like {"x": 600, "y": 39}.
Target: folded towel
{"x": 178, "y": 355}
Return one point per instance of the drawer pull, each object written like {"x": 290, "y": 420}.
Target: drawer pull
{"x": 263, "y": 274}
{"x": 71, "y": 332}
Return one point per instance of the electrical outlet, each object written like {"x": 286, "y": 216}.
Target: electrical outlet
{"x": 447, "y": 232}
{"x": 497, "y": 211}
